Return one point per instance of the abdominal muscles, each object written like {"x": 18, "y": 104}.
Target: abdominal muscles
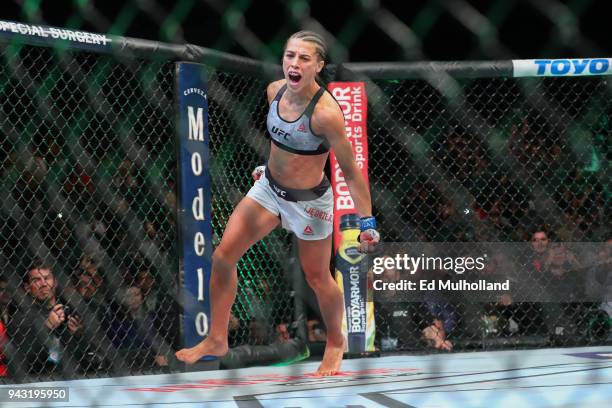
{"x": 294, "y": 170}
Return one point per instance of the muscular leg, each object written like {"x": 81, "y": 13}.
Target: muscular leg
{"x": 315, "y": 257}
{"x": 249, "y": 223}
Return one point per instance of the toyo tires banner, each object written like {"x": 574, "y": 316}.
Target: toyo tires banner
{"x": 562, "y": 67}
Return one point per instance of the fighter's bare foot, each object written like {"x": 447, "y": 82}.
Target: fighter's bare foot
{"x": 332, "y": 358}
{"x": 208, "y": 347}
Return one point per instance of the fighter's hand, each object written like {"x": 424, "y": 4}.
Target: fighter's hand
{"x": 369, "y": 236}
{"x": 257, "y": 173}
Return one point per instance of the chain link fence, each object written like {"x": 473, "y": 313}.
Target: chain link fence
{"x": 89, "y": 238}
{"x": 89, "y": 233}
{"x": 497, "y": 160}
{"x": 88, "y": 180}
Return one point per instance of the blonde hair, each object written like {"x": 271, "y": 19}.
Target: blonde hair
{"x": 314, "y": 38}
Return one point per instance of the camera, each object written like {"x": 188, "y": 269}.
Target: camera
{"x": 68, "y": 311}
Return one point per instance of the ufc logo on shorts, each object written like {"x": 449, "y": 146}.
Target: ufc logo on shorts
{"x": 280, "y": 192}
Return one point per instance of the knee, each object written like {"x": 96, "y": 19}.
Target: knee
{"x": 222, "y": 261}
{"x": 319, "y": 279}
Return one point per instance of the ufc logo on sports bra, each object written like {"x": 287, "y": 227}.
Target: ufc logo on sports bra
{"x": 280, "y": 132}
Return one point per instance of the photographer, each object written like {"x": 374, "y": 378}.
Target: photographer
{"x": 44, "y": 330}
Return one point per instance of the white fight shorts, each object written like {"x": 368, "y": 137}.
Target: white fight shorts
{"x": 309, "y": 214}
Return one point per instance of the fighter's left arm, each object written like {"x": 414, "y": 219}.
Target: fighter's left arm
{"x": 329, "y": 121}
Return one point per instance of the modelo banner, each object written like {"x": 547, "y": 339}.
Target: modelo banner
{"x": 358, "y": 322}
{"x": 194, "y": 201}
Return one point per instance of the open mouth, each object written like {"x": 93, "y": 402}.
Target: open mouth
{"x": 294, "y": 77}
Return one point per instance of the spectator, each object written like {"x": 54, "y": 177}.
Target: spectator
{"x": 146, "y": 282}
{"x": 4, "y": 372}
{"x": 89, "y": 301}
{"x": 282, "y": 333}
{"x": 561, "y": 267}
{"x": 5, "y": 313}
{"x": 132, "y": 331}
{"x": 533, "y": 264}
{"x": 238, "y": 331}
{"x": 556, "y": 268}
{"x": 28, "y": 190}
{"x": 157, "y": 231}
{"x": 260, "y": 307}
{"x": 266, "y": 313}
{"x": 441, "y": 322}
{"x": 316, "y": 331}
{"x": 260, "y": 333}
{"x": 163, "y": 305}
{"x": 170, "y": 195}
{"x": 600, "y": 278}
{"x": 582, "y": 199}
{"x": 539, "y": 246}
{"x": 89, "y": 293}
{"x": 107, "y": 228}
{"x": 44, "y": 328}
{"x": 85, "y": 286}
{"x": 150, "y": 230}
{"x": 502, "y": 314}
{"x": 126, "y": 177}
{"x": 600, "y": 290}
{"x": 79, "y": 187}
{"x": 130, "y": 183}
{"x": 435, "y": 336}
{"x": 89, "y": 267}
{"x": 403, "y": 322}
{"x": 7, "y": 307}
{"x": 60, "y": 238}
